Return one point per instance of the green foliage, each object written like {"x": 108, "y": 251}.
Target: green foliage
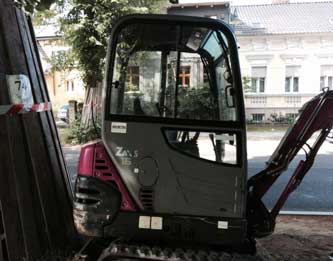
{"x": 43, "y": 17}
{"x": 62, "y": 61}
{"x": 87, "y": 28}
{"x": 196, "y": 103}
{"x": 283, "y": 119}
{"x": 246, "y": 81}
{"x": 32, "y": 6}
{"x": 78, "y": 134}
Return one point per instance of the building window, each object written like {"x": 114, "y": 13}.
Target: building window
{"x": 326, "y": 76}
{"x": 258, "y": 79}
{"x": 184, "y": 75}
{"x": 291, "y": 84}
{"x": 133, "y": 77}
{"x": 258, "y": 117}
{"x": 70, "y": 87}
{"x": 292, "y": 79}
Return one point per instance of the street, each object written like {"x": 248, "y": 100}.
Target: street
{"x": 314, "y": 194}
{"x": 316, "y": 190}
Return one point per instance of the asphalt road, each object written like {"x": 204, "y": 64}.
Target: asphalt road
{"x": 314, "y": 194}
{"x": 316, "y": 190}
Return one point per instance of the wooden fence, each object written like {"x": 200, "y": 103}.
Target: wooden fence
{"x": 35, "y": 194}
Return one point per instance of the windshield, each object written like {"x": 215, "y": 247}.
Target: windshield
{"x": 172, "y": 71}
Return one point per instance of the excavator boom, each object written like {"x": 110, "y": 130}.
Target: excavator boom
{"x": 315, "y": 116}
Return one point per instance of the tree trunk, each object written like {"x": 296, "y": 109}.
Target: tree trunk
{"x": 92, "y": 107}
{"x": 35, "y": 193}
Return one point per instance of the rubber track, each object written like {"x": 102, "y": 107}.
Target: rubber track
{"x": 122, "y": 252}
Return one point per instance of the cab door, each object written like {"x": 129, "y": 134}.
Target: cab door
{"x": 174, "y": 116}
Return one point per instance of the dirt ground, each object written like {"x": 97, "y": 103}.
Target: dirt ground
{"x": 299, "y": 238}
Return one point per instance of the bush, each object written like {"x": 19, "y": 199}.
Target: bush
{"x": 78, "y": 134}
{"x": 287, "y": 119}
{"x": 196, "y": 103}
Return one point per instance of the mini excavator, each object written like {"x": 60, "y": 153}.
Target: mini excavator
{"x": 168, "y": 180}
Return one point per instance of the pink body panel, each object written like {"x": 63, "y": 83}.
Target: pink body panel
{"x": 86, "y": 162}
{"x": 95, "y": 162}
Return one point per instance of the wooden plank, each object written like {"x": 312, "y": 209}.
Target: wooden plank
{"x": 25, "y": 186}
{"x": 11, "y": 215}
{"x": 51, "y": 133}
{"x": 53, "y": 138}
{"x": 9, "y": 204}
{"x": 2, "y": 238}
{"x": 2, "y": 254}
{"x": 2, "y": 251}
{"x": 60, "y": 178}
{"x": 32, "y": 174}
{"x": 44, "y": 174}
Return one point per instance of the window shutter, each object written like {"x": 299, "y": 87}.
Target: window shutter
{"x": 259, "y": 72}
{"x": 326, "y": 70}
{"x": 293, "y": 71}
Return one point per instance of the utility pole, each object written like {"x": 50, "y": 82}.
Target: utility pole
{"x": 35, "y": 195}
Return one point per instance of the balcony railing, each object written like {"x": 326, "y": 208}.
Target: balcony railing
{"x": 276, "y": 100}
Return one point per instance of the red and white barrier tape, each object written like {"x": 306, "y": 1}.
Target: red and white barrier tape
{"x": 15, "y": 109}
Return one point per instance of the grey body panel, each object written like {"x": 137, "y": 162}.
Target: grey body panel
{"x": 182, "y": 184}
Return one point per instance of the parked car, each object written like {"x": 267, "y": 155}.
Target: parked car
{"x": 63, "y": 113}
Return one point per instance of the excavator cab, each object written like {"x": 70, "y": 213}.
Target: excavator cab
{"x": 172, "y": 163}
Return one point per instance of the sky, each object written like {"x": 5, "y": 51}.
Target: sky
{"x": 249, "y": 2}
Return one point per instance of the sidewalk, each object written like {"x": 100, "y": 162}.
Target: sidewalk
{"x": 71, "y": 154}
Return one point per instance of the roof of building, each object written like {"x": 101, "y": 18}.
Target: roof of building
{"x": 50, "y": 31}
{"x": 288, "y": 18}
{"x": 267, "y": 19}
{"x": 197, "y": 5}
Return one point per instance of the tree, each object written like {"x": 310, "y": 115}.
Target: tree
{"x": 43, "y": 17}
{"x": 87, "y": 27}
{"x": 32, "y": 6}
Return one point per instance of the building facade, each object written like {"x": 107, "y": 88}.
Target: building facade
{"x": 63, "y": 85}
{"x": 286, "y": 54}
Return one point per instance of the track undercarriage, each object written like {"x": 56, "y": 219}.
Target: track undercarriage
{"x": 129, "y": 251}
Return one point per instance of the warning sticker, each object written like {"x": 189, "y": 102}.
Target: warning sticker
{"x": 20, "y": 89}
{"x": 222, "y": 225}
{"x": 119, "y": 127}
